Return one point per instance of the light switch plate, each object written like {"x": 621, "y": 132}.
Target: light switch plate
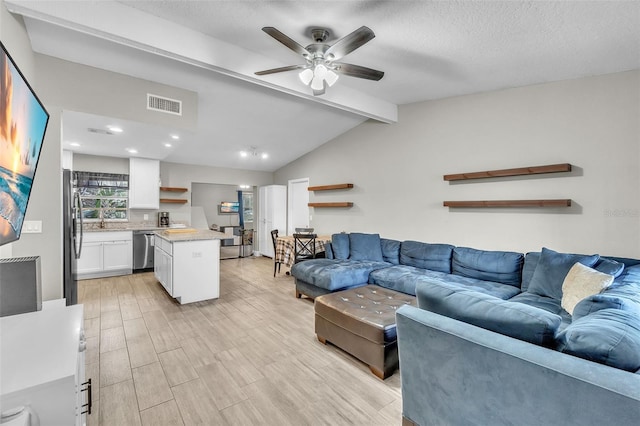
{"x": 32, "y": 227}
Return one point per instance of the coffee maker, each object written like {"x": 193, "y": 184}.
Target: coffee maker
{"x": 163, "y": 219}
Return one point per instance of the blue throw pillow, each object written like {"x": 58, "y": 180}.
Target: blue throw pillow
{"x": 340, "y": 246}
{"x": 609, "y": 266}
{"x": 365, "y": 247}
{"x": 552, "y": 268}
{"x": 608, "y": 336}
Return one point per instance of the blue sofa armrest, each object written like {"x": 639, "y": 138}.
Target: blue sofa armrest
{"x": 456, "y": 373}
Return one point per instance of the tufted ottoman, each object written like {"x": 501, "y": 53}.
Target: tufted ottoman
{"x": 362, "y": 322}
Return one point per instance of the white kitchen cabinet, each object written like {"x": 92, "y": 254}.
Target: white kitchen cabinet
{"x": 162, "y": 265}
{"x": 144, "y": 183}
{"x": 106, "y": 254}
{"x": 272, "y": 214}
{"x": 188, "y": 270}
{"x": 42, "y": 364}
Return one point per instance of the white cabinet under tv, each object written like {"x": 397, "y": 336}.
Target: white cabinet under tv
{"x": 106, "y": 254}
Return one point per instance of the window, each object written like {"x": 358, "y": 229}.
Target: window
{"x": 104, "y": 195}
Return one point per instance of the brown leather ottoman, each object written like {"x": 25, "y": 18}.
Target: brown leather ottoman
{"x": 362, "y": 322}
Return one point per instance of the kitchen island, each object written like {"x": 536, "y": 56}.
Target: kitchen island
{"x": 187, "y": 263}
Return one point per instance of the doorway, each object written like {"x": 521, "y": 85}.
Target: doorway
{"x": 298, "y": 205}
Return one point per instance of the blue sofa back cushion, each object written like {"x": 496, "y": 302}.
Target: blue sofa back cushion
{"x": 609, "y": 266}
{"x": 436, "y": 257}
{"x": 552, "y": 269}
{"x": 390, "y": 250}
{"x": 328, "y": 251}
{"x": 512, "y": 319}
{"x": 365, "y": 247}
{"x": 499, "y": 266}
{"x": 609, "y": 336}
{"x": 340, "y": 246}
{"x": 528, "y": 268}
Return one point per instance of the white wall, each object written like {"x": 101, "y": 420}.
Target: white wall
{"x": 45, "y": 203}
{"x": 208, "y": 196}
{"x": 397, "y": 169}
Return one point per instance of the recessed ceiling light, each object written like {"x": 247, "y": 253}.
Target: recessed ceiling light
{"x": 243, "y": 153}
{"x": 168, "y": 145}
{"x": 115, "y": 129}
{"x": 175, "y": 137}
{"x": 74, "y": 144}
{"x": 244, "y": 187}
{"x": 132, "y": 150}
{"x": 265, "y": 155}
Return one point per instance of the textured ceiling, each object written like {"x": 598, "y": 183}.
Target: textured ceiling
{"x": 428, "y": 50}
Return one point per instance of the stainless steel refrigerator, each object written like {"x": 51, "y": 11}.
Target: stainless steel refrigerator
{"x": 71, "y": 236}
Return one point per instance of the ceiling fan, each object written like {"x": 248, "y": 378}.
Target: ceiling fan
{"x": 320, "y": 69}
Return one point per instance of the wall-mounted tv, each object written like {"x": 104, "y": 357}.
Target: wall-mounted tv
{"x": 23, "y": 122}
{"x": 229, "y": 207}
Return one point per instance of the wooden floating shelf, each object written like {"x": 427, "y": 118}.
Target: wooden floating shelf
{"x": 334, "y": 204}
{"x": 522, "y": 171}
{"x": 172, "y": 189}
{"x": 510, "y": 203}
{"x": 330, "y": 187}
{"x": 172, "y": 200}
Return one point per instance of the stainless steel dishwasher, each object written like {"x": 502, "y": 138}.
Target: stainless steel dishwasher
{"x": 143, "y": 246}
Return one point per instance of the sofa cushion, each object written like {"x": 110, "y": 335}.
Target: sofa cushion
{"x": 335, "y": 274}
{"x": 492, "y": 288}
{"x": 547, "y": 303}
{"x": 436, "y": 257}
{"x": 528, "y": 268}
{"x": 402, "y": 278}
{"x": 552, "y": 268}
{"x": 500, "y": 266}
{"x": 608, "y": 336}
{"x": 390, "y": 251}
{"x": 501, "y": 316}
{"x": 328, "y": 250}
{"x": 580, "y": 282}
{"x": 609, "y": 266}
{"x": 340, "y": 246}
{"x": 365, "y": 247}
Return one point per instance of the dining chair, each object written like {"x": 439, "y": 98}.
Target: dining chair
{"x": 304, "y": 246}
{"x": 276, "y": 264}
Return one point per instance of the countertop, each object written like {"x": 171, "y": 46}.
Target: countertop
{"x": 124, "y": 226}
{"x": 198, "y": 234}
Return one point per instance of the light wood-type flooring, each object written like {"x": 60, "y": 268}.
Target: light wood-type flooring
{"x": 248, "y": 358}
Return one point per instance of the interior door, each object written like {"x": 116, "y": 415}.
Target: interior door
{"x": 298, "y": 209}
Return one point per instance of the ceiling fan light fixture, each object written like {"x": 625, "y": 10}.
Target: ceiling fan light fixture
{"x": 306, "y": 76}
{"x": 331, "y": 78}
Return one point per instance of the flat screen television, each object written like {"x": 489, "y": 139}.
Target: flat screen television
{"x": 23, "y": 122}
{"x": 229, "y": 207}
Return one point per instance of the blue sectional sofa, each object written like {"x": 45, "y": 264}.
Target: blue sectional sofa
{"x": 491, "y": 340}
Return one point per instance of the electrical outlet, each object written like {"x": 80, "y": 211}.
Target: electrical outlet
{"x": 146, "y": 217}
{"x": 197, "y": 254}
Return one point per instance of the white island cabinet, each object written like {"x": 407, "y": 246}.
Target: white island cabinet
{"x": 188, "y": 264}
{"x": 42, "y": 365}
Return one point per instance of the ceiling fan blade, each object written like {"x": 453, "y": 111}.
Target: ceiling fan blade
{"x": 286, "y": 40}
{"x": 281, "y": 69}
{"x": 349, "y": 43}
{"x": 357, "y": 71}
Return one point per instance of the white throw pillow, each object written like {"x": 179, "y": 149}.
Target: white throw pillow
{"x": 580, "y": 282}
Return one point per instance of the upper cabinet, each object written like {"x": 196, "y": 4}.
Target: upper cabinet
{"x": 144, "y": 179}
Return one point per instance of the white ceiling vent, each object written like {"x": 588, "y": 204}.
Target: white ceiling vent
{"x": 159, "y": 103}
